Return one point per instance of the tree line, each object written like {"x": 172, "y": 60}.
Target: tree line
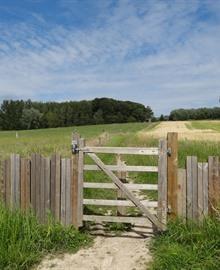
{"x": 195, "y": 114}
{"x": 20, "y": 114}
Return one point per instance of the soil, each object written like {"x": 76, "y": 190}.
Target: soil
{"x": 129, "y": 251}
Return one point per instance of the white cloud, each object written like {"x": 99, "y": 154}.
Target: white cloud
{"x": 154, "y": 53}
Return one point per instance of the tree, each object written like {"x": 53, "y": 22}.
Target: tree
{"x": 31, "y": 118}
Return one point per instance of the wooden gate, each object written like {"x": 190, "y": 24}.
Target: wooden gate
{"x": 158, "y": 220}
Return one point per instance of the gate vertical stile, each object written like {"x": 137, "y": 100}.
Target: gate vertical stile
{"x": 80, "y": 181}
{"x": 162, "y": 182}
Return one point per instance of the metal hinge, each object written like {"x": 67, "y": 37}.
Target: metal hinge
{"x": 74, "y": 147}
{"x": 169, "y": 152}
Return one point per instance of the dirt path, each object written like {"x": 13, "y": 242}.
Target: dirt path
{"x": 126, "y": 252}
{"x": 184, "y": 131}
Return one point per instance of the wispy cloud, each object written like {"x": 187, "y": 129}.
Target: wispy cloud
{"x": 161, "y": 53}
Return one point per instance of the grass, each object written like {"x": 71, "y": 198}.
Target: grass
{"x": 24, "y": 241}
{"x": 188, "y": 247}
{"x": 213, "y": 125}
{"x": 48, "y": 141}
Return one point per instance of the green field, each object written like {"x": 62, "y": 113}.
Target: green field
{"x": 48, "y": 141}
{"x": 213, "y": 125}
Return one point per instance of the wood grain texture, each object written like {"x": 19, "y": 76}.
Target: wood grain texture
{"x": 162, "y": 182}
{"x": 113, "y": 186}
{"x": 74, "y": 183}
{"x": 172, "y": 171}
{"x": 122, "y": 175}
{"x": 80, "y": 182}
{"x": 214, "y": 184}
{"x": 152, "y": 151}
{"x": 181, "y": 195}
{"x": 25, "y": 183}
{"x": 189, "y": 188}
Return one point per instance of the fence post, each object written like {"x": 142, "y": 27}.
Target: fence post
{"x": 74, "y": 184}
{"x": 162, "y": 182}
{"x": 172, "y": 172}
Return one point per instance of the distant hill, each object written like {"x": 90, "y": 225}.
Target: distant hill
{"x": 20, "y": 114}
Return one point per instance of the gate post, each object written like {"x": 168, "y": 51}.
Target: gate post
{"x": 74, "y": 184}
{"x": 162, "y": 182}
{"x": 77, "y": 180}
{"x": 172, "y": 172}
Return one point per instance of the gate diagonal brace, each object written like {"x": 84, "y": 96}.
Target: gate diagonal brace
{"x": 160, "y": 226}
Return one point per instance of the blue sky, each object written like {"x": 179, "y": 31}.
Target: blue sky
{"x": 165, "y": 54}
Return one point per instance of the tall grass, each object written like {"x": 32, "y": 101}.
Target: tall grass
{"x": 191, "y": 246}
{"x": 23, "y": 240}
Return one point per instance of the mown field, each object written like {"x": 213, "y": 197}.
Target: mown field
{"x": 213, "y": 125}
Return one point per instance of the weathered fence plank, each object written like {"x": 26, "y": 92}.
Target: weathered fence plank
{"x": 25, "y": 183}
{"x": 88, "y": 167}
{"x": 113, "y": 186}
{"x": 80, "y": 182}
{"x": 162, "y": 182}
{"x": 121, "y": 211}
{"x": 214, "y": 184}
{"x": 181, "y": 195}
{"x": 172, "y": 168}
{"x": 55, "y": 185}
{"x": 63, "y": 192}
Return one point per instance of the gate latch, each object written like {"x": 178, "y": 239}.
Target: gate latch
{"x": 74, "y": 147}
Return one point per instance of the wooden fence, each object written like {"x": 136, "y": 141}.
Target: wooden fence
{"x": 45, "y": 184}
{"x": 198, "y": 188}
{"x": 56, "y": 184}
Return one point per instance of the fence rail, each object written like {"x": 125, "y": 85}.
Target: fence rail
{"x": 56, "y": 184}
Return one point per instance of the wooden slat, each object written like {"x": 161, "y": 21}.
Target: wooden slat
{"x": 128, "y": 193}
{"x": 200, "y": 191}
{"x": 42, "y": 190}
{"x": 25, "y": 183}
{"x": 63, "y": 192}
{"x": 121, "y": 150}
{"x": 189, "y": 188}
{"x": 13, "y": 177}
{"x": 118, "y": 202}
{"x": 214, "y": 184}
{"x": 15, "y": 180}
{"x": 172, "y": 168}
{"x": 8, "y": 182}
{"x": 181, "y": 195}
{"x": 205, "y": 188}
{"x": 122, "y": 175}
{"x": 162, "y": 182}
{"x": 195, "y": 187}
{"x": 38, "y": 184}
{"x": 80, "y": 182}
{"x": 132, "y": 220}
{"x": 55, "y": 186}
{"x": 47, "y": 185}
{"x": 33, "y": 181}
{"x": 126, "y": 168}
{"x": 113, "y": 186}
{"x": 3, "y": 180}
{"x": 68, "y": 193}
